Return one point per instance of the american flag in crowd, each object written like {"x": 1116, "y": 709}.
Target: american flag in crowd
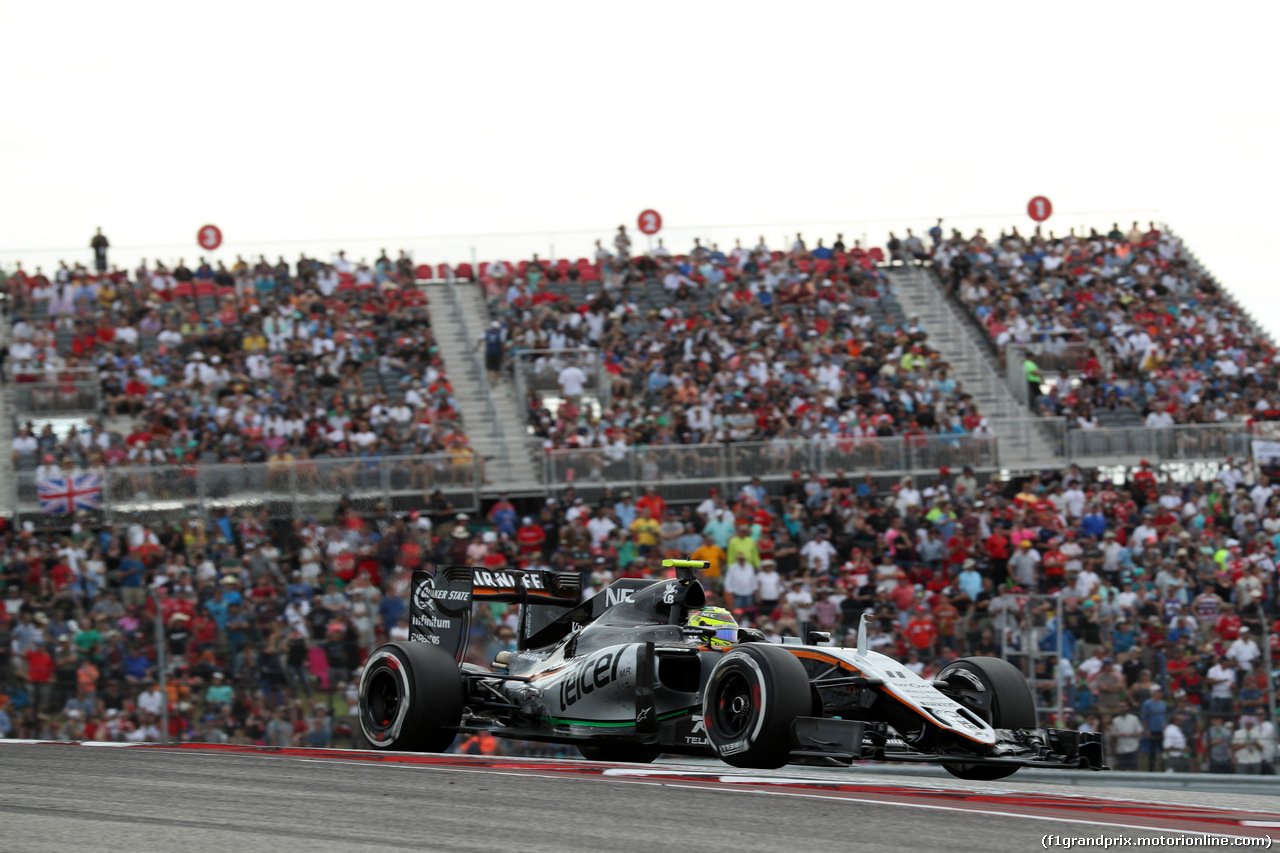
{"x": 70, "y": 494}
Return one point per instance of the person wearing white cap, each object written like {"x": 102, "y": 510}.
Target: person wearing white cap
{"x": 1244, "y": 651}
{"x": 1246, "y": 746}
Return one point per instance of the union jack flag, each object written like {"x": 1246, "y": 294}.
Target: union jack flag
{"x": 64, "y": 495}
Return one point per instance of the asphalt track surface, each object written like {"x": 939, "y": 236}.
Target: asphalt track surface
{"x": 61, "y": 797}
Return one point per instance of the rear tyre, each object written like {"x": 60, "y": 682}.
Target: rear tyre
{"x": 621, "y": 753}
{"x": 995, "y": 690}
{"x": 752, "y": 697}
{"x": 411, "y": 695}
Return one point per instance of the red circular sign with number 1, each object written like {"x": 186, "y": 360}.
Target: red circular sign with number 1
{"x": 209, "y": 237}
{"x": 1039, "y": 208}
{"x": 650, "y": 222}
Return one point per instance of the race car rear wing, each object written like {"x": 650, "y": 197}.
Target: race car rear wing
{"x": 440, "y": 604}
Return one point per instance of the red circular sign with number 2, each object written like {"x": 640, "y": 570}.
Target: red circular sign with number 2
{"x": 1039, "y": 208}
{"x": 650, "y": 222}
{"x": 209, "y": 237}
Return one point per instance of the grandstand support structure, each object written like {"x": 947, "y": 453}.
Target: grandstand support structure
{"x": 8, "y": 482}
{"x": 1022, "y": 446}
{"x": 493, "y": 419}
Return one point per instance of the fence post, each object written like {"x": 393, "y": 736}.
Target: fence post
{"x": 162, "y": 666}
{"x": 724, "y": 461}
{"x": 200, "y": 492}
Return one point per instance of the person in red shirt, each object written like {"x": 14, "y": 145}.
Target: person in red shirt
{"x": 530, "y": 537}
{"x": 62, "y": 575}
{"x": 999, "y": 550}
{"x": 653, "y": 502}
{"x": 1145, "y": 480}
{"x": 40, "y": 676}
{"x": 1228, "y": 627}
{"x": 921, "y": 632}
{"x": 1054, "y": 563}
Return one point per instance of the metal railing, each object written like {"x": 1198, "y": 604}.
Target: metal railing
{"x": 538, "y": 370}
{"x": 56, "y": 397}
{"x": 684, "y": 471}
{"x": 1165, "y": 444}
{"x": 1052, "y": 357}
{"x": 291, "y": 489}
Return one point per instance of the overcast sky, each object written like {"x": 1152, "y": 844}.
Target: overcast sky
{"x": 311, "y": 126}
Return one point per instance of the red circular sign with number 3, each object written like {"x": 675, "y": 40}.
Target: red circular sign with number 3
{"x": 1039, "y": 208}
{"x": 650, "y": 222}
{"x": 209, "y": 237}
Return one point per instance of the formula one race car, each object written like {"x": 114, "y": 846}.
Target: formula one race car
{"x": 626, "y": 675}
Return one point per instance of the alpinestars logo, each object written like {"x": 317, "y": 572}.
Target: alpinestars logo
{"x": 643, "y": 714}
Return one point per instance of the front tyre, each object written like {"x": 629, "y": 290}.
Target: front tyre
{"x": 752, "y": 697}
{"x": 411, "y": 697}
{"x": 997, "y": 691}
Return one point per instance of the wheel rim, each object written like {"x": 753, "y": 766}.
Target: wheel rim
{"x": 735, "y": 706}
{"x": 382, "y": 700}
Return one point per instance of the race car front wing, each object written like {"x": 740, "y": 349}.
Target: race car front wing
{"x": 830, "y": 740}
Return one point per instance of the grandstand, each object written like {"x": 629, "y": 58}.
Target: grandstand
{"x": 747, "y": 363}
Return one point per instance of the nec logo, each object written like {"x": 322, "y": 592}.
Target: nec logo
{"x": 617, "y": 596}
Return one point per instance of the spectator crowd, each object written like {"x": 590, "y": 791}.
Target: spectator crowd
{"x": 311, "y": 367}
{"x": 1162, "y": 340}
{"x": 1146, "y": 609}
{"x": 748, "y": 345}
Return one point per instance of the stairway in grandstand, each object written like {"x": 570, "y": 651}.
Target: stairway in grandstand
{"x": 492, "y": 417}
{"x": 1022, "y": 444}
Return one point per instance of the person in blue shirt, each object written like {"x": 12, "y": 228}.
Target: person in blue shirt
{"x": 503, "y": 516}
{"x": 821, "y": 252}
{"x": 391, "y": 609}
{"x": 131, "y": 575}
{"x": 1154, "y": 716}
{"x": 217, "y": 608}
{"x": 136, "y": 665}
{"x": 1094, "y": 523}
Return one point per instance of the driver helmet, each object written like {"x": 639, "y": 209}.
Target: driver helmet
{"x": 721, "y": 620}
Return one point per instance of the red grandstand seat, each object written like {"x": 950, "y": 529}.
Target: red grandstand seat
{"x": 442, "y": 271}
{"x": 184, "y": 290}
{"x": 589, "y": 273}
{"x": 563, "y": 265}
{"x": 346, "y": 278}
{"x": 521, "y": 267}
{"x": 484, "y": 270}
{"x": 422, "y": 272}
{"x": 224, "y": 292}
{"x": 876, "y": 254}
{"x": 583, "y": 262}
{"x": 465, "y": 271}
{"x": 776, "y": 255}
{"x": 866, "y": 263}
{"x": 805, "y": 266}
{"x": 204, "y": 288}
{"x": 822, "y": 265}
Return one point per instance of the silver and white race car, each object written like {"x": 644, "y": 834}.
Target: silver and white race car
{"x": 623, "y": 678}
